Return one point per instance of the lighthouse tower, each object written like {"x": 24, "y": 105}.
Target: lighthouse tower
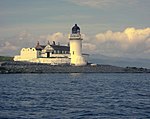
{"x": 76, "y": 47}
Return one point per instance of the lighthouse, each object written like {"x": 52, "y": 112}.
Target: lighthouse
{"x": 76, "y": 47}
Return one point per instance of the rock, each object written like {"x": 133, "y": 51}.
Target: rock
{"x": 26, "y": 67}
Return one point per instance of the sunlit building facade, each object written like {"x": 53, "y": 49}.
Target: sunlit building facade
{"x": 56, "y": 54}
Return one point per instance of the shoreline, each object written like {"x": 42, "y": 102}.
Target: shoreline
{"x": 11, "y": 67}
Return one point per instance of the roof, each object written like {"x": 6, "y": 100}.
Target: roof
{"x": 58, "y": 47}
{"x": 75, "y": 29}
{"x": 55, "y": 47}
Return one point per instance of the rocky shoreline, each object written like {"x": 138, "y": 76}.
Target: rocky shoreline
{"x": 25, "y": 67}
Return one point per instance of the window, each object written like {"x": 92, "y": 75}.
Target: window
{"x": 55, "y": 51}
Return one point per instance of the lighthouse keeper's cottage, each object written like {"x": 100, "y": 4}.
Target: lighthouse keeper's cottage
{"x": 56, "y": 54}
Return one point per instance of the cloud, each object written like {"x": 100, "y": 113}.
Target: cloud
{"x": 89, "y": 46}
{"x": 58, "y": 37}
{"x": 102, "y": 3}
{"x": 131, "y": 41}
{"x": 11, "y": 45}
{"x": 7, "y": 47}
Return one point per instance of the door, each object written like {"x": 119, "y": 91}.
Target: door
{"x": 48, "y": 54}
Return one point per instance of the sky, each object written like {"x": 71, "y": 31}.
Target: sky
{"x": 116, "y": 28}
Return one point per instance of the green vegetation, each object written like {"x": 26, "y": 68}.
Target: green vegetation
{"x": 6, "y": 58}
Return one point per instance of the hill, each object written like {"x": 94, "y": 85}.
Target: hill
{"x": 120, "y": 61}
{"x": 6, "y": 58}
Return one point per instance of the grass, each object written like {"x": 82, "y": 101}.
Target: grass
{"x": 6, "y": 58}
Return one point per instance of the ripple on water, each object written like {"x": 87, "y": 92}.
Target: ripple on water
{"x": 75, "y": 96}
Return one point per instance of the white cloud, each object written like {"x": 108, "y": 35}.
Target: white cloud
{"x": 7, "y": 47}
{"x": 57, "y": 37}
{"x": 131, "y": 41}
{"x": 102, "y": 3}
{"x": 89, "y": 47}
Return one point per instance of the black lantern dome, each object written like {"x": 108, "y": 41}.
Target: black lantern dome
{"x": 75, "y": 29}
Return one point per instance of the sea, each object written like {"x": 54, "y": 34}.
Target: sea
{"x": 75, "y": 96}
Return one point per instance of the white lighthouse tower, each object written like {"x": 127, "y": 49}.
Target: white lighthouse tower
{"x": 76, "y": 47}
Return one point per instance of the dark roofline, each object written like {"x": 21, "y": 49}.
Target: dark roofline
{"x": 55, "y": 47}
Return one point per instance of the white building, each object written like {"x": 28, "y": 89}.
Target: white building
{"x": 56, "y": 54}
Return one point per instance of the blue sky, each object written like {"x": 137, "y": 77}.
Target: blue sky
{"x": 110, "y": 27}
{"x": 46, "y": 14}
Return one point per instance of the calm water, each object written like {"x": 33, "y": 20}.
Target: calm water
{"x": 75, "y": 96}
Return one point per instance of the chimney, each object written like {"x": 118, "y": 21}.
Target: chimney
{"x": 38, "y": 44}
{"x": 53, "y": 42}
{"x": 48, "y": 43}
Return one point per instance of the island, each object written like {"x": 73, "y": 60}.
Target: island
{"x": 7, "y": 67}
{"x": 57, "y": 58}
